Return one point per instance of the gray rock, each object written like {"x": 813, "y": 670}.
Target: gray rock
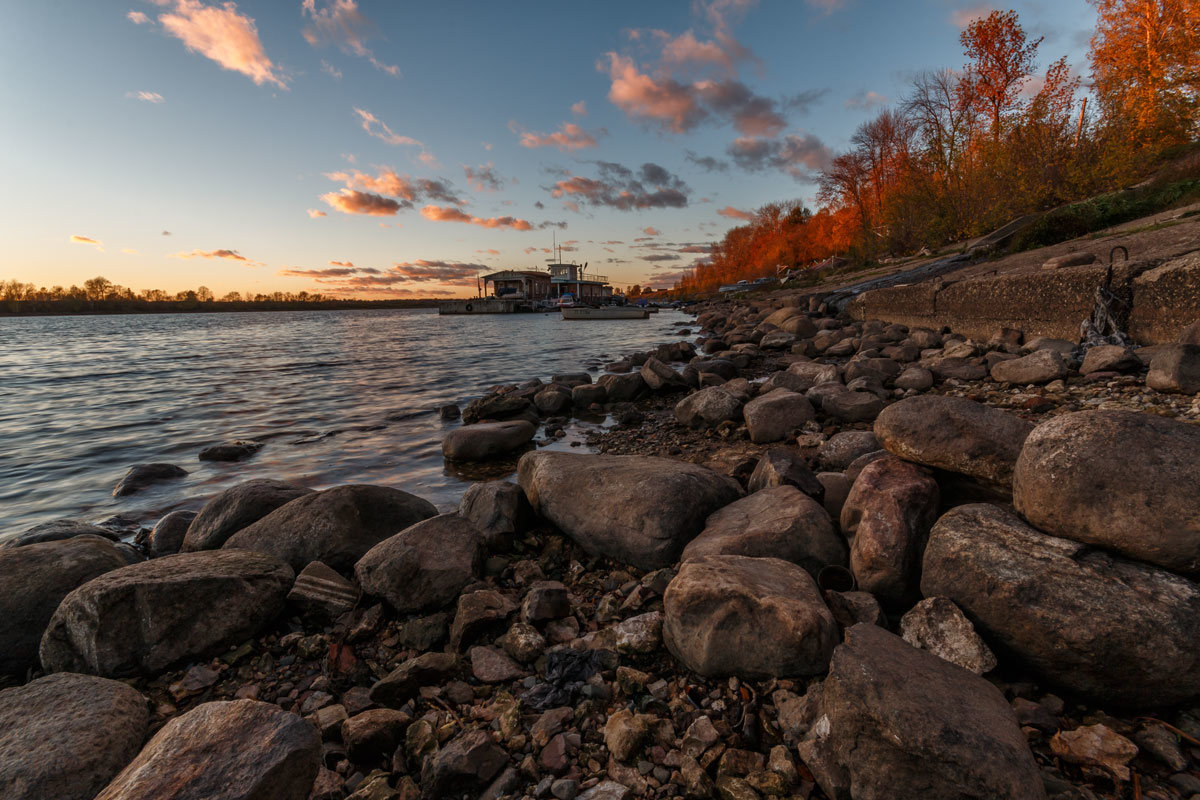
{"x": 1119, "y": 480}
{"x": 896, "y": 722}
{"x": 336, "y": 527}
{"x": 551, "y": 400}
{"x": 852, "y": 406}
{"x": 36, "y": 578}
{"x": 424, "y": 566}
{"x": 812, "y": 373}
{"x": 1109, "y": 358}
{"x": 55, "y": 531}
{"x": 236, "y": 508}
{"x": 233, "y": 750}
{"x": 837, "y": 489}
{"x": 465, "y": 764}
{"x": 1114, "y": 630}
{"x": 484, "y": 441}
{"x": 585, "y": 395}
{"x": 937, "y": 625}
{"x": 142, "y": 475}
{"x": 622, "y": 388}
{"x": 886, "y": 518}
{"x": 166, "y": 538}
{"x": 322, "y": 594}
{"x": 634, "y": 509}
{"x": 1063, "y": 347}
{"x": 780, "y": 466}
{"x": 660, "y": 377}
{"x": 65, "y": 736}
{"x": 1175, "y": 368}
{"x": 750, "y": 617}
{"x": 914, "y": 377}
{"x": 776, "y": 415}
{"x": 954, "y": 434}
{"x": 607, "y": 790}
{"x": 403, "y": 683}
{"x": 842, "y": 448}
{"x": 1040, "y": 366}
{"x": 709, "y": 407}
{"x": 146, "y": 617}
{"x": 497, "y": 509}
{"x": 781, "y": 522}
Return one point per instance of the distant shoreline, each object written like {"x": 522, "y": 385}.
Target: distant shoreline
{"x": 123, "y": 307}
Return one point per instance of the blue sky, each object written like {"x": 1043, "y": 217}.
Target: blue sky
{"x": 177, "y": 143}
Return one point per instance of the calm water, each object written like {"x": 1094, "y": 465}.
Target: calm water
{"x": 338, "y": 396}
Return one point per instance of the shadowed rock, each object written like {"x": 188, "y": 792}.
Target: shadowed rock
{"x": 236, "y": 508}
{"x": 143, "y": 475}
{"x": 484, "y": 441}
{"x": 423, "y": 566}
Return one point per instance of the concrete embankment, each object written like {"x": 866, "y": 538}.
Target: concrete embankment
{"x": 1153, "y": 300}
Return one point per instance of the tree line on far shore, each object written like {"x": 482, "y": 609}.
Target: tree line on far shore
{"x": 967, "y": 150}
{"x": 101, "y": 296}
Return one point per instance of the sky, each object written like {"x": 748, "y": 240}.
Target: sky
{"x": 378, "y": 148}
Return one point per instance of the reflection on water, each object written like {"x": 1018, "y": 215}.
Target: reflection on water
{"x": 338, "y": 396}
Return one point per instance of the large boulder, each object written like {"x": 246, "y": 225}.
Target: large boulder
{"x": 750, "y": 617}
{"x": 812, "y": 373}
{"x": 776, "y": 415}
{"x": 498, "y": 509}
{"x": 424, "y": 566}
{"x": 637, "y": 510}
{"x": 36, "y": 578}
{"x": 887, "y": 517}
{"x": 145, "y": 617}
{"x": 1109, "y": 358}
{"x": 708, "y": 407}
{"x": 484, "y": 441}
{"x": 623, "y": 387}
{"x": 955, "y": 434}
{"x": 1119, "y": 480}
{"x": 843, "y": 448}
{"x": 226, "y": 750}
{"x": 1175, "y": 368}
{"x": 1040, "y": 366}
{"x": 894, "y": 721}
{"x": 55, "y": 531}
{"x": 1116, "y": 630}
{"x": 235, "y": 508}
{"x": 65, "y": 736}
{"x": 780, "y": 522}
{"x": 167, "y": 535}
{"x": 336, "y": 526}
{"x": 660, "y": 377}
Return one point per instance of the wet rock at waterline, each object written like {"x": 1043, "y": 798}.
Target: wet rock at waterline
{"x": 1114, "y": 630}
{"x": 235, "y": 508}
{"x": 225, "y": 750}
{"x": 146, "y": 617}
{"x": 65, "y": 736}
{"x": 1120, "y": 480}
{"x": 143, "y": 475}
{"x": 751, "y": 617}
{"x": 336, "y": 526}
{"x": 423, "y": 566}
{"x": 954, "y": 434}
{"x": 878, "y": 736}
{"x": 167, "y": 535}
{"x": 781, "y": 522}
{"x": 484, "y": 441}
{"x": 55, "y": 531}
{"x": 637, "y": 510}
{"x": 238, "y": 450}
{"x": 36, "y": 578}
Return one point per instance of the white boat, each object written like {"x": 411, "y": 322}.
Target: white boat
{"x": 605, "y": 312}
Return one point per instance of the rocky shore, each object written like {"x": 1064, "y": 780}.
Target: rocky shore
{"x": 811, "y": 558}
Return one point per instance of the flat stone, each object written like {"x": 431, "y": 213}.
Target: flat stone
{"x": 322, "y": 593}
{"x": 484, "y": 441}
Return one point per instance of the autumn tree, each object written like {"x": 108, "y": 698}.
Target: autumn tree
{"x": 1001, "y": 61}
{"x": 1145, "y": 58}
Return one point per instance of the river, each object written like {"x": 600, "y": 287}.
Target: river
{"x": 338, "y": 397}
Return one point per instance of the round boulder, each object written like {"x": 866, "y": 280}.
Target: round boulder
{"x": 487, "y": 440}
{"x": 776, "y": 415}
{"x": 1120, "y": 480}
{"x": 755, "y": 618}
{"x": 424, "y": 566}
{"x": 236, "y": 508}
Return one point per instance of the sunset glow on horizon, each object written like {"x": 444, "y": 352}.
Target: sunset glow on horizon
{"x": 377, "y": 150}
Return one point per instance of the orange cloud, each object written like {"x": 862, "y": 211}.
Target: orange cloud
{"x": 223, "y": 35}
{"x": 650, "y": 231}
{"x": 316, "y": 212}
{"x": 137, "y": 17}
{"x": 77, "y": 239}
{"x": 443, "y": 214}
{"x": 579, "y": 109}
{"x": 735, "y": 213}
{"x": 380, "y": 130}
{"x": 568, "y": 137}
{"x": 351, "y": 201}
{"x": 225, "y": 253}
{"x": 639, "y": 95}
{"x": 489, "y": 251}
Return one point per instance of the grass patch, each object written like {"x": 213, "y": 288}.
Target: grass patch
{"x": 1096, "y": 214}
